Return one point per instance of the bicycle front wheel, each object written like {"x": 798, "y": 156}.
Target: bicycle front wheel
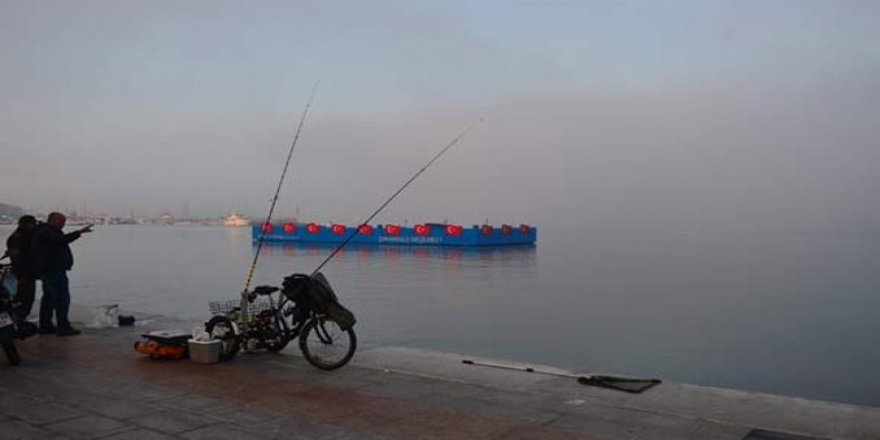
{"x": 326, "y": 345}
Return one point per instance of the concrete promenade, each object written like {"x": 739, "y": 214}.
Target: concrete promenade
{"x": 96, "y": 386}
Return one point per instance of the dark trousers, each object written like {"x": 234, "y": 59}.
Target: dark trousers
{"x": 56, "y": 300}
{"x": 24, "y": 297}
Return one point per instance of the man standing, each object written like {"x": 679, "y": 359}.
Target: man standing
{"x": 53, "y": 258}
{"x": 18, "y": 247}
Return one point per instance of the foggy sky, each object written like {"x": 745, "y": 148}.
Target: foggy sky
{"x": 679, "y": 115}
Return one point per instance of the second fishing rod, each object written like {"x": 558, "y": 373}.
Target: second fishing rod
{"x": 354, "y": 232}
{"x": 246, "y": 293}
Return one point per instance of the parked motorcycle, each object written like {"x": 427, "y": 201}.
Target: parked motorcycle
{"x": 8, "y": 327}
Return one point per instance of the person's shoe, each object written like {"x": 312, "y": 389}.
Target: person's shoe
{"x": 68, "y": 332}
{"x": 47, "y": 330}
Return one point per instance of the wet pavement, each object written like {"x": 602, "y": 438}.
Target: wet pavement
{"x": 96, "y": 386}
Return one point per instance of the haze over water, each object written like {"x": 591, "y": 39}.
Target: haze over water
{"x": 791, "y": 314}
{"x": 703, "y": 174}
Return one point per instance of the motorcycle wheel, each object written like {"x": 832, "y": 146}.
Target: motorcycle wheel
{"x": 10, "y": 349}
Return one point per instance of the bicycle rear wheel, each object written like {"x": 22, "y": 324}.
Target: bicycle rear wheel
{"x": 220, "y": 327}
{"x": 326, "y": 345}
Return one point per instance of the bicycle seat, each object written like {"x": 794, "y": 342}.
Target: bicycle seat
{"x": 265, "y": 290}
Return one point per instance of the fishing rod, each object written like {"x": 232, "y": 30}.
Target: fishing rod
{"x": 400, "y": 190}
{"x": 634, "y": 385}
{"x": 302, "y": 119}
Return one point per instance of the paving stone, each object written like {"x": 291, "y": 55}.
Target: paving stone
{"x": 401, "y": 386}
{"x": 716, "y": 431}
{"x": 41, "y": 389}
{"x": 77, "y": 397}
{"x": 539, "y": 433}
{"x": 222, "y": 432}
{"x": 679, "y": 430}
{"x": 278, "y": 426}
{"x": 195, "y": 404}
{"x": 24, "y": 384}
{"x": 12, "y": 402}
{"x": 44, "y": 413}
{"x": 296, "y": 429}
{"x": 349, "y": 378}
{"x": 153, "y": 394}
{"x": 142, "y": 391}
{"x": 172, "y": 422}
{"x": 349, "y": 435}
{"x": 140, "y": 434}
{"x": 599, "y": 426}
{"x": 250, "y": 417}
{"x": 14, "y": 429}
{"x": 394, "y": 419}
{"x": 493, "y": 408}
{"x": 89, "y": 427}
{"x": 761, "y": 434}
{"x": 117, "y": 409}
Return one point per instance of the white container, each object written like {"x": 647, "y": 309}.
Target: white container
{"x": 204, "y": 352}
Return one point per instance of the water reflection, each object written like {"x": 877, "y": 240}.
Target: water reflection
{"x": 522, "y": 255}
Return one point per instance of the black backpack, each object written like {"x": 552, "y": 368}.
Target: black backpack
{"x": 315, "y": 293}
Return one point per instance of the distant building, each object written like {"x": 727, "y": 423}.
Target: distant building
{"x": 164, "y": 219}
{"x": 236, "y": 220}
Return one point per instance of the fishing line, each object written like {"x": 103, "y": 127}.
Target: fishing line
{"x": 302, "y": 119}
{"x": 400, "y": 190}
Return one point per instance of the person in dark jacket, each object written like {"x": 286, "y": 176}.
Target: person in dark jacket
{"x": 52, "y": 257}
{"x": 18, "y": 247}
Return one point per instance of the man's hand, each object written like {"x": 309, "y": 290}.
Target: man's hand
{"x": 86, "y": 229}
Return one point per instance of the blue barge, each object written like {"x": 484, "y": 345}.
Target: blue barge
{"x": 426, "y": 234}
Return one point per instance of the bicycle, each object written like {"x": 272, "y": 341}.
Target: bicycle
{"x": 305, "y": 307}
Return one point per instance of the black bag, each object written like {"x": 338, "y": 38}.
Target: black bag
{"x": 315, "y": 292}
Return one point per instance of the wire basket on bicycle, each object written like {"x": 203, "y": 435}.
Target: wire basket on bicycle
{"x": 234, "y": 305}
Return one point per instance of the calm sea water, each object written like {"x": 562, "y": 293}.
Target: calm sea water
{"x": 785, "y": 314}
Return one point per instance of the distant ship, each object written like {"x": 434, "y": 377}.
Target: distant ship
{"x": 236, "y": 220}
{"x": 427, "y": 234}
